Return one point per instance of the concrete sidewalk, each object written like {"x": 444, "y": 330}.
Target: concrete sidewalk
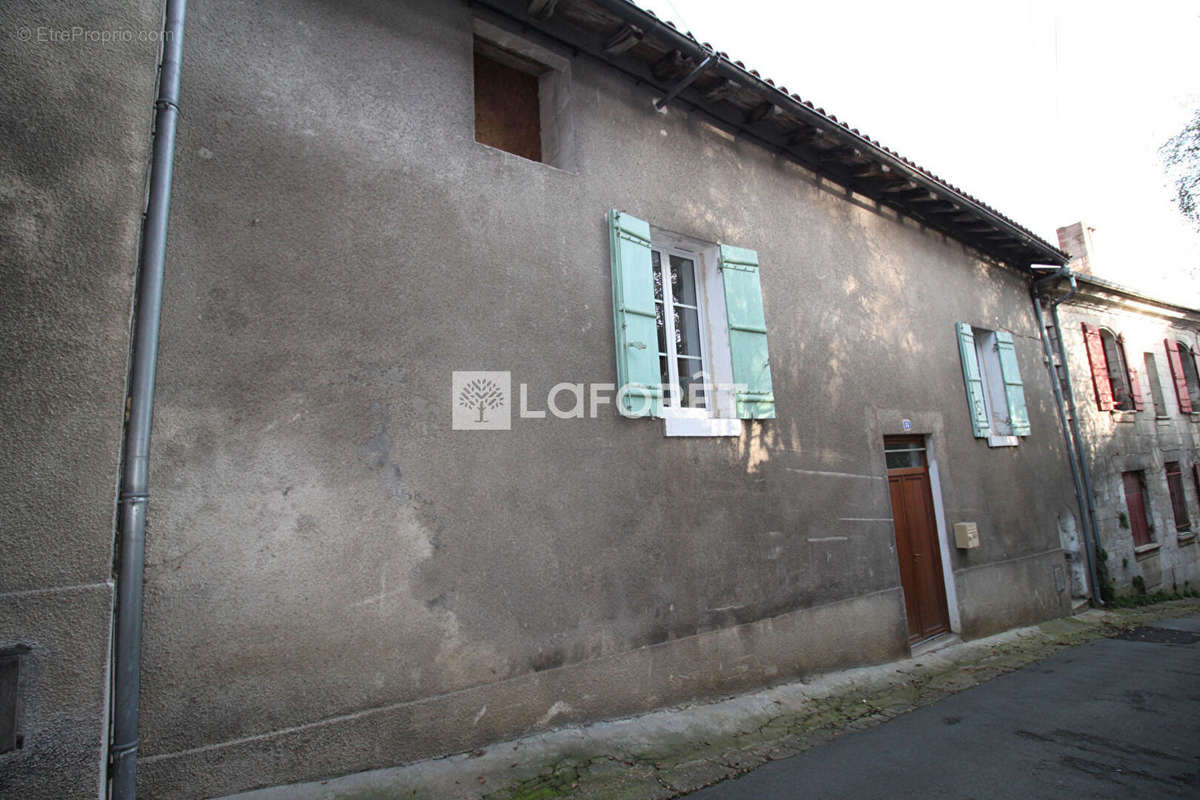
{"x": 665, "y": 754}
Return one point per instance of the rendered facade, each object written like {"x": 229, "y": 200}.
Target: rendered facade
{"x": 751, "y": 395}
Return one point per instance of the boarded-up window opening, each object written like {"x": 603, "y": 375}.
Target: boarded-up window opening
{"x": 1160, "y": 406}
{"x": 507, "y": 104}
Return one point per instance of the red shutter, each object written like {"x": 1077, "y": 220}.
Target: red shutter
{"x": 1099, "y": 364}
{"x": 1181, "y": 388}
{"x": 1196, "y": 359}
{"x": 1135, "y": 386}
{"x": 1135, "y": 503}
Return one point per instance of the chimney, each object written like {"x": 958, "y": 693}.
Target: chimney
{"x": 1076, "y": 240}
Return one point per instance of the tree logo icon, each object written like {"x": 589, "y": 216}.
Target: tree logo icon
{"x": 481, "y": 395}
{"x": 480, "y": 401}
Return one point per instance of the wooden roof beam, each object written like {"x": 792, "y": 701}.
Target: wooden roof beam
{"x": 873, "y": 170}
{"x": 672, "y": 65}
{"x": 764, "y": 111}
{"x": 542, "y": 9}
{"x": 722, "y": 91}
{"x": 807, "y": 136}
{"x": 903, "y": 186}
{"x": 625, "y": 39}
{"x": 842, "y": 154}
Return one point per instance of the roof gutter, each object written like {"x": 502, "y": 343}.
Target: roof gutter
{"x": 633, "y": 15}
{"x": 134, "y": 494}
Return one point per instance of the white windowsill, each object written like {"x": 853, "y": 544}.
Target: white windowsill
{"x": 1142, "y": 550}
{"x": 995, "y": 440}
{"x": 680, "y": 425}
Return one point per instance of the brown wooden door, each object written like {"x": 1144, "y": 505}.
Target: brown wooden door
{"x": 917, "y": 548}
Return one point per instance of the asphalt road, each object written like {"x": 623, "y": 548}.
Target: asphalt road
{"x": 1115, "y": 718}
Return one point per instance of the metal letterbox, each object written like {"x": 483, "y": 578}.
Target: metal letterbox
{"x": 966, "y": 535}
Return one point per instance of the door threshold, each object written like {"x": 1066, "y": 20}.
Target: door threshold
{"x": 935, "y": 642}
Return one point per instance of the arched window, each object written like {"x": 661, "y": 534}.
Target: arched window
{"x": 1182, "y": 360}
{"x": 1117, "y": 369}
{"x": 1187, "y": 357}
{"x": 1115, "y": 381}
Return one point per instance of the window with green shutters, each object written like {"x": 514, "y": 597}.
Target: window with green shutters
{"x": 995, "y": 392}
{"x": 690, "y": 330}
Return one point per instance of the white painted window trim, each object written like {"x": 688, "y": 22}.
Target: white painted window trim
{"x": 995, "y": 400}
{"x": 707, "y": 426}
{"x": 719, "y": 418}
{"x": 665, "y": 252}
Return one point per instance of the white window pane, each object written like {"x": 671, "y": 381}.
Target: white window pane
{"x": 691, "y": 383}
{"x": 687, "y": 332}
{"x": 683, "y": 280}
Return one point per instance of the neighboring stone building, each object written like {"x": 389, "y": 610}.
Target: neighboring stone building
{"x": 341, "y": 574}
{"x": 1134, "y": 389}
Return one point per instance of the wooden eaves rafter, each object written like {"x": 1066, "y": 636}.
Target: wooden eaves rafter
{"x": 690, "y": 74}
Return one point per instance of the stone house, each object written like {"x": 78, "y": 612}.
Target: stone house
{"x": 1133, "y": 388}
{"x": 433, "y": 465}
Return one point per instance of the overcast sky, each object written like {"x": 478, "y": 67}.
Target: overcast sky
{"x": 1050, "y": 111}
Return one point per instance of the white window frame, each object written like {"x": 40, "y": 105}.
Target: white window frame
{"x": 995, "y": 399}
{"x": 719, "y": 416}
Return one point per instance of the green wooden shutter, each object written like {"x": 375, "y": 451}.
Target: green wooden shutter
{"x": 747, "y": 333}
{"x": 973, "y": 379}
{"x": 1014, "y": 389}
{"x": 634, "y": 321}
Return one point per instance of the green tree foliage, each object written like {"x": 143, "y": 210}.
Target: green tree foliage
{"x": 1181, "y": 155}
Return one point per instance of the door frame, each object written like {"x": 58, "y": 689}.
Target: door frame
{"x": 939, "y": 519}
{"x": 943, "y": 536}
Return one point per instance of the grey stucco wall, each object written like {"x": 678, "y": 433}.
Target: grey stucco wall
{"x": 1121, "y": 441}
{"x": 337, "y": 581}
{"x": 74, "y": 140}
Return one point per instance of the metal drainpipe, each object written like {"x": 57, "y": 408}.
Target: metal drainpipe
{"x": 1085, "y": 470}
{"x": 127, "y": 648}
{"x": 1071, "y": 433}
